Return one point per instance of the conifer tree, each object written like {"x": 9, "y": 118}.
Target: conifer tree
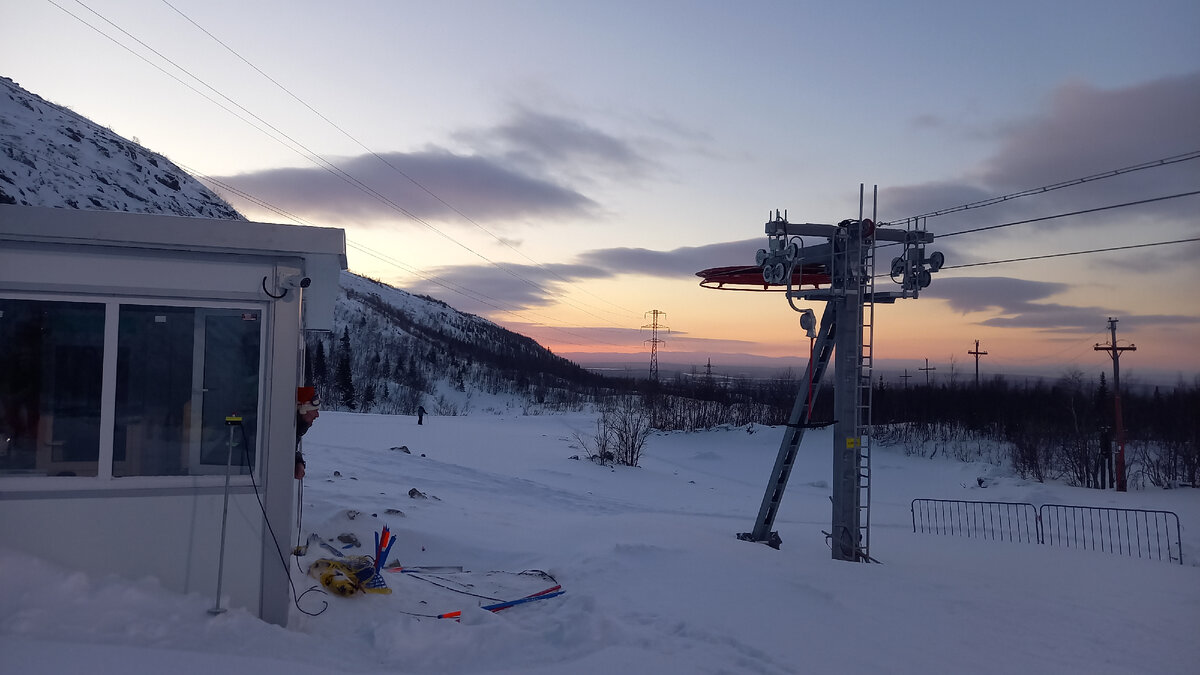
{"x": 343, "y": 381}
{"x": 319, "y": 369}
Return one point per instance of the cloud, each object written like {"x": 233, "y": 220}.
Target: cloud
{"x": 634, "y": 337}
{"x": 1013, "y": 303}
{"x": 482, "y": 188}
{"x": 532, "y": 166}
{"x": 680, "y": 262}
{"x": 1081, "y": 131}
{"x": 979, "y": 294}
{"x": 485, "y": 289}
{"x": 1087, "y": 130}
{"x": 568, "y": 149}
{"x": 526, "y": 286}
{"x": 561, "y": 144}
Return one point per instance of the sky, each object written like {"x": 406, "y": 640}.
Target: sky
{"x": 564, "y": 168}
{"x": 654, "y": 579}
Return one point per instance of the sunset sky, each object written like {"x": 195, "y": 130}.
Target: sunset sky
{"x": 563, "y": 167}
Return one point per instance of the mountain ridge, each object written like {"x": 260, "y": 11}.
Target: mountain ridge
{"x": 53, "y": 157}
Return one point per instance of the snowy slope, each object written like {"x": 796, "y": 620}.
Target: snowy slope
{"x": 413, "y": 350}
{"x": 50, "y": 156}
{"x": 655, "y": 580}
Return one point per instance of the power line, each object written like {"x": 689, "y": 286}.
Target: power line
{"x": 1072, "y": 213}
{"x": 1195, "y": 154}
{"x": 450, "y": 286}
{"x": 1059, "y": 215}
{"x": 376, "y": 155}
{"x": 433, "y": 279}
{"x": 1071, "y": 253}
{"x": 307, "y": 153}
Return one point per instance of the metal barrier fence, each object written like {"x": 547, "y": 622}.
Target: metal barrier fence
{"x": 1132, "y": 532}
{"x": 1001, "y": 521}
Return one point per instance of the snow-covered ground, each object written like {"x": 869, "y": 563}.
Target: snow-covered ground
{"x": 655, "y": 580}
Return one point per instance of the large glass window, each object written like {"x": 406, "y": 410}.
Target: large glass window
{"x": 180, "y": 372}
{"x": 51, "y": 366}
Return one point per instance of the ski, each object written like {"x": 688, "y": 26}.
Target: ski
{"x": 552, "y": 592}
{"x": 426, "y": 569}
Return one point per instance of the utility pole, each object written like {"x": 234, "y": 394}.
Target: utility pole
{"x": 927, "y": 369}
{"x": 654, "y": 340}
{"x": 905, "y": 377}
{"x": 1115, "y": 353}
{"x": 977, "y": 354}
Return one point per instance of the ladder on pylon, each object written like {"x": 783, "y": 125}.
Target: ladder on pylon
{"x": 863, "y": 399}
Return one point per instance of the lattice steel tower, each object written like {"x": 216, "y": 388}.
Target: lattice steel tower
{"x": 654, "y": 340}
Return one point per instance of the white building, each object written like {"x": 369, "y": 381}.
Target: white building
{"x": 126, "y": 341}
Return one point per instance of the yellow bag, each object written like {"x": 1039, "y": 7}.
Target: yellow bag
{"x": 347, "y": 576}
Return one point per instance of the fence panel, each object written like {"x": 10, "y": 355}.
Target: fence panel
{"x": 1000, "y": 521}
{"x": 1131, "y": 532}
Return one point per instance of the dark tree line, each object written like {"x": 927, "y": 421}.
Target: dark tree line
{"x": 1061, "y": 429}
{"x": 381, "y": 359}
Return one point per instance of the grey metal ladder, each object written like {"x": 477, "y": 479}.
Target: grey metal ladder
{"x": 863, "y": 399}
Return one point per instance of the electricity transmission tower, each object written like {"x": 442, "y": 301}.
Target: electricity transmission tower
{"x": 1115, "y": 352}
{"x": 654, "y": 340}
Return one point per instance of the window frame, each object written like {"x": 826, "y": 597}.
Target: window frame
{"x": 104, "y": 480}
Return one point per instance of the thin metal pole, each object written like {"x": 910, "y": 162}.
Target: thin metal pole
{"x": 216, "y": 608}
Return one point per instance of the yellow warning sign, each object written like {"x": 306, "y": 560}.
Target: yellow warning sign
{"x": 853, "y": 443}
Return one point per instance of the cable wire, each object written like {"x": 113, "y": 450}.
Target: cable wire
{"x": 376, "y": 155}
{"x": 307, "y": 153}
{"x": 1187, "y": 156}
{"x": 1072, "y": 213}
{"x": 1071, "y": 253}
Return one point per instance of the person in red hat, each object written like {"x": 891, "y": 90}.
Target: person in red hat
{"x": 308, "y": 408}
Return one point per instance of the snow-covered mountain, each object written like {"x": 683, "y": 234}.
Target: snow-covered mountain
{"x": 51, "y": 156}
{"x": 402, "y": 351}
{"x": 399, "y": 351}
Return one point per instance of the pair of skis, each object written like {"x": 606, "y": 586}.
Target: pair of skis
{"x": 552, "y": 592}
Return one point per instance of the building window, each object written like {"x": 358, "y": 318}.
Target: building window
{"x": 180, "y": 372}
{"x": 50, "y": 387}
